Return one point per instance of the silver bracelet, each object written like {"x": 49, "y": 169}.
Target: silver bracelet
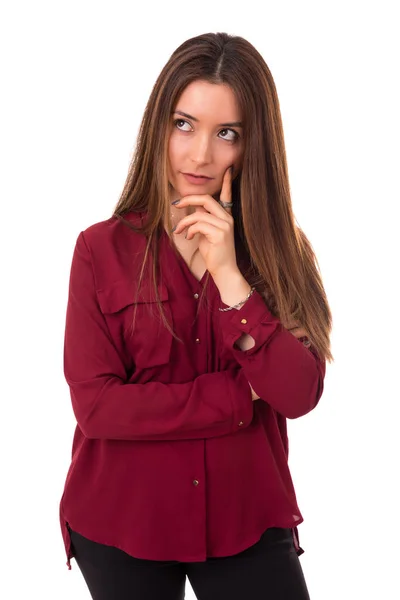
{"x": 239, "y": 304}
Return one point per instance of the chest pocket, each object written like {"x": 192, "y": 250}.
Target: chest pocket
{"x": 149, "y": 344}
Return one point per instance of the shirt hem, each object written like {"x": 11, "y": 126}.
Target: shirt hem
{"x": 241, "y": 547}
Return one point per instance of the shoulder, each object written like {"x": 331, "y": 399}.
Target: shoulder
{"x": 112, "y": 228}
{"x": 115, "y": 248}
{"x": 118, "y": 233}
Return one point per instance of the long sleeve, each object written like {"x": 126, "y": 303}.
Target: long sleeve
{"x": 107, "y": 406}
{"x": 281, "y": 370}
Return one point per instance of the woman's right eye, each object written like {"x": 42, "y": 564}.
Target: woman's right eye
{"x": 180, "y": 121}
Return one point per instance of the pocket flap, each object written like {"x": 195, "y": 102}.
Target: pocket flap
{"x": 122, "y": 293}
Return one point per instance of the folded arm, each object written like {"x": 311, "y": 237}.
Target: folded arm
{"x": 279, "y": 368}
{"x": 106, "y": 405}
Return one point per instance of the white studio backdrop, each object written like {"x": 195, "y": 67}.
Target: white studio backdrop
{"x": 75, "y": 78}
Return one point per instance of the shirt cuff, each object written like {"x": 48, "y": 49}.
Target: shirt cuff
{"x": 253, "y": 318}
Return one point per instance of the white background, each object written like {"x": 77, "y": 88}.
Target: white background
{"x": 75, "y": 78}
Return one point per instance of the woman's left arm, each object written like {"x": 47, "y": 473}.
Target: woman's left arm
{"x": 280, "y": 368}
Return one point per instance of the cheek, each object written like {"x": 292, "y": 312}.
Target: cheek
{"x": 174, "y": 160}
{"x": 174, "y": 150}
{"x": 238, "y": 154}
{"x": 237, "y": 162}
{"x": 232, "y": 155}
{"x": 235, "y": 158}
{"x": 170, "y": 151}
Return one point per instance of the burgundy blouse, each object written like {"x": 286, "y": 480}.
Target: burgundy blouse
{"x": 171, "y": 458}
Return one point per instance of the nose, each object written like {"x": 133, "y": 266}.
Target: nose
{"x": 201, "y": 151}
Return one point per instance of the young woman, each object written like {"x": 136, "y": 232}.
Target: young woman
{"x": 197, "y": 323}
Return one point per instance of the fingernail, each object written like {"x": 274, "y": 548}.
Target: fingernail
{"x": 176, "y": 201}
{"x": 231, "y": 169}
{"x": 173, "y": 229}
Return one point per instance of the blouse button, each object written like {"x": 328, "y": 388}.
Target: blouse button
{"x": 196, "y": 296}
{"x": 195, "y": 482}
{"x": 197, "y": 341}
{"x": 241, "y": 423}
{"x": 244, "y": 321}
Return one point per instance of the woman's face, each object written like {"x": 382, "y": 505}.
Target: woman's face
{"x": 206, "y": 138}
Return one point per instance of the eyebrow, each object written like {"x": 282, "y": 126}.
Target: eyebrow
{"x": 233, "y": 124}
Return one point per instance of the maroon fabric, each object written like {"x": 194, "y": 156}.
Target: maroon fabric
{"x": 171, "y": 458}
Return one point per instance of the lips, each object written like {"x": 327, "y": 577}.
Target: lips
{"x": 198, "y": 176}
{"x": 196, "y": 179}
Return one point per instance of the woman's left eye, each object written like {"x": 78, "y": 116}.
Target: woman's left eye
{"x": 234, "y": 137}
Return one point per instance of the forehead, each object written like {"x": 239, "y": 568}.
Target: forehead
{"x": 209, "y": 101}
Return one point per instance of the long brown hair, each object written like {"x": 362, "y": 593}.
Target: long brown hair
{"x": 275, "y": 254}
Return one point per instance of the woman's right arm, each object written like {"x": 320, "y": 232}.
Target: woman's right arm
{"x": 107, "y": 406}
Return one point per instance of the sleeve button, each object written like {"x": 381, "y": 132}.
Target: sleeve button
{"x": 244, "y": 321}
{"x": 241, "y": 423}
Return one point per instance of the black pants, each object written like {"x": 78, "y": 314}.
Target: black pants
{"x": 268, "y": 570}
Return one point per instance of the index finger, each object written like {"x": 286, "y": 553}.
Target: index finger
{"x": 226, "y": 190}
